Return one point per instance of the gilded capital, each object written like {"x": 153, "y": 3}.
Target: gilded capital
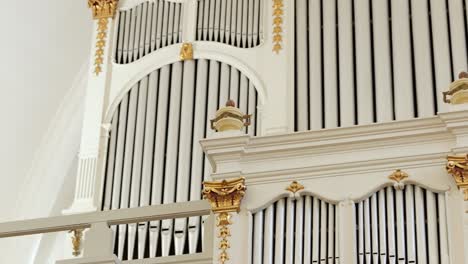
{"x": 457, "y": 166}
{"x": 225, "y": 198}
{"x": 103, "y": 8}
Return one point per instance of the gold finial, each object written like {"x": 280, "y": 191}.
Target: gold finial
{"x": 76, "y": 241}
{"x": 458, "y": 90}
{"x": 186, "y": 52}
{"x": 398, "y": 176}
{"x": 457, "y": 166}
{"x": 225, "y": 198}
{"x": 294, "y": 187}
{"x": 230, "y": 118}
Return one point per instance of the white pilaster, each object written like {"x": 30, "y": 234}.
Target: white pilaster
{"x": 93, "y": 138}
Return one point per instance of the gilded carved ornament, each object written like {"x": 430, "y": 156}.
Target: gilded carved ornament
{"x": 294, "y": 187}
{"x": 186, "y": 52}
{"x": 277, "y": 25}
{"x": 225, "y": 198}
{"x": 77, "y": 238}
{"x": 457, "y": 166}
{"x": 398, "y": 176}
{"x": 102, "y": 10}
{"x": 458, "y": 90}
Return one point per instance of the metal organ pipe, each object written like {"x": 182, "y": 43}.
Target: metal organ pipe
{"x": 232, "y": 22}
{"x": 146, "y": 28}
{"x": 185, "y": 150}
{"x": 137, "y": 160}
{"x": 330, "y": 66}
{"x": 382, "y": 61}
{"x": 346, "y": 68}
{"x": 422, "y": 59}
{"x": 299, "y": 231}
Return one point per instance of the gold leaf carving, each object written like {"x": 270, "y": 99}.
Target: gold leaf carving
{"x": 278, "y": 25}
{"x": 294, "y": 187}
{"x": 398, "y": 176}
{"x": 457, "y": 166}
{"x": 225, "y": 198}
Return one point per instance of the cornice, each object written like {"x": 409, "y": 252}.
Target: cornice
{"x": 424, "y": 142}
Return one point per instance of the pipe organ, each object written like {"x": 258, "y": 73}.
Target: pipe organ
{"x": 341, "y": 94}
{"x": 147, "y": 27}
{"x": 402, "y": 226}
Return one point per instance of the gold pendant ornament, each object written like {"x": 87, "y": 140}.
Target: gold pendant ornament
{"x": 102, "y": 11}
{"x": 225, "y": 198}
{"x": 457, "y": 166}
{"x": 77, "y": 237}
{"x": 277, "y": 25}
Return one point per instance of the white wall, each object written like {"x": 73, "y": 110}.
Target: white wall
{"x": 44, "y": 46}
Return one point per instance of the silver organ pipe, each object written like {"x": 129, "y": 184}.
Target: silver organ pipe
{"x": 128, "y": 160}
{"x": 299, "y": 231}
{"x": 185, "y": 151}
{"x": 289, "y": 243}
{"x": 330, "y": 66}
{"x": 346, "y": 68}
{"x": 458, "y": 40}
{"x": 399, "y": 222}
{"x": 232, "y": 22}
{"x": 268, "y": 248}
{"x": 422, "y": 59}
{"x": 138, "y": 160}
{"x": 147, "y": 27}
{"x": 296, "y": 230}
{"x": 197, "y": 153}
{"x": 382, "y": 61}
{"x": 279, "y": 229}
{"x": 154, "y": 156}
{"x": 402, "y": 66}
{"x": 359, "y": 62}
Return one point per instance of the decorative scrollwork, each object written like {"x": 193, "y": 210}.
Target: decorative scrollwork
{"x": 457, "y": 166}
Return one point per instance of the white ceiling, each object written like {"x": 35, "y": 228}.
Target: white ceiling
{"x": 43, "y": 45}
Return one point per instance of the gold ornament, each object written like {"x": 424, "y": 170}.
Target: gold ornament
{"x": 278, "y": 25}
{"x": 186, "y": 52}
{"x": 225, "y": 198}
{"x": 458, "y": 167}
{"x": 294, "y": 187}
{"x": 398, "y": 176}
{"x": 76, "y": 241}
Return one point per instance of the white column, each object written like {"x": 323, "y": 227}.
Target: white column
{"x": 93, "y": 139}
